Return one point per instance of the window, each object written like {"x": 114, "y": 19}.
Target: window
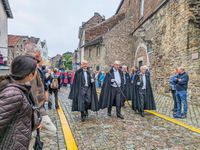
{"x": 90, "y": 53}
{"x": 140, "y": 64}
{"x": 97, "y": 68}
{"x": 141, "y": 8}
{"x": 98, "y": 51}
{"x": 21, "y": 48}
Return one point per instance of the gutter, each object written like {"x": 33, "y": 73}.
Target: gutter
{"x": 120, "y": 5}
{"x": 7, "y": 9}
{"x": 162, "y": 4}
{"x": 105, "y": 49}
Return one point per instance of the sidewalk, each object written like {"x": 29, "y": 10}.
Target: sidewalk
{"x": 134, "y": 132}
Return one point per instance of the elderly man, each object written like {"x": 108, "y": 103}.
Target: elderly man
{"x": 136, "y": 71}
{"x": 111, "y": 91}
{"x": 127, "y": 85}
{"x": 83, "y": 92}
{"x": 181, "y": 92}
{"x": 37, "y": 89}
{"x": 142, "y": 93}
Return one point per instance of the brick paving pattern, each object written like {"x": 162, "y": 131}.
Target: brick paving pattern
{"x": 134, "y": 132}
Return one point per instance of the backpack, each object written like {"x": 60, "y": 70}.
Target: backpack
{"x": 54, "y": 83}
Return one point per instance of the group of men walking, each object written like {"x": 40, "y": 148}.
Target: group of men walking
{"x": 117, "y": 88}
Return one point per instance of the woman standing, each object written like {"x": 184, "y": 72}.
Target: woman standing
{"x": 65, "y": 79}
{"x": 173, "y": 89}
{"x": 15, "y": 108}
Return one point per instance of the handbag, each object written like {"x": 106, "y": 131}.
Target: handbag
{"x": 36, "y": 117}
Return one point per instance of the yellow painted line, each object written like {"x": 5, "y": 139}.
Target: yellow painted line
{"x": 69, "y": 139}
{"x": 169, "y": 119}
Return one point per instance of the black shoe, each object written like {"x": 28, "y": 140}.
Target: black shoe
{"x": 120, "y": 116}
{"x": 172, "y": 110}
{"x": 142, "y": 114}
{"x": 174, "y": 113}
{"x": 124, "y": 106}
{"x": 83, "y": 118}
{"x": 109, "y": 114}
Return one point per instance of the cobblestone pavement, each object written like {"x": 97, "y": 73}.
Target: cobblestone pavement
{"x": 165, "y": 105}
{"x": 57, "y": 142}
{"x": 134, "y": 132}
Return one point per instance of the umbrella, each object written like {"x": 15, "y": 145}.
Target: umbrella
{"x": 38, "y": 144}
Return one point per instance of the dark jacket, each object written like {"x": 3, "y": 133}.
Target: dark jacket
{"x": 183, "y": 84}
{"x": 75, "y": 93}
{"x": 149, "y": 99}
{"x": 106, "y": 94}
{"x": 15, "y": 115}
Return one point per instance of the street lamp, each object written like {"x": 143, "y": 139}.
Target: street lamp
{"x": 142, "y": 32}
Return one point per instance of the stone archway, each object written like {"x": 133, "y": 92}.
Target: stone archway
{"x": 141, "y": 56}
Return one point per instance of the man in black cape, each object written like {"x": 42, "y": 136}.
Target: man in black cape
{"x": 83, "y": 92}
{"x": 142, "y": 93}
{"x": 127, "y": 85}
{"x": 111, "y": 90}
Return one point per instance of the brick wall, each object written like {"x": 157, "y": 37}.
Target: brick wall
{"x": 103, "y": 28}
{"x": 174, "y": 32}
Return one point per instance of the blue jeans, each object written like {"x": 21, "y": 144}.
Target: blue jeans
{"x": 181, "y": 96}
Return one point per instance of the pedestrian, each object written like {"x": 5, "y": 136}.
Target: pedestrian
{"x": 173, "y": 89}
{"x": 1, "y": 60}
{"x": 59, "y": 74}
{"x": 111, "y": 91}
{"x": 142, "y": 95}
{"x": 72, "y": 79}
{"x": 102, "y": 78}
{"x": 65, "y": 78}
{"x": 127, "y": 85}
{"x": 96, "y": 79}
{"x": 69, "y": 77}
{"x": 181, "y": 92}
{"x": 54, "y": 84}
{"x": 48, "y": 128}
{"x": 15, "y": 104}
{"x": 83, "y": 92}
{"x": 48, "y": 76}
{"x": 136, "y": 71}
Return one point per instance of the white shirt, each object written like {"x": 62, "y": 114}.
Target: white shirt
{"x": 144, "y": 81}
{"x": 117, "y": 78}
{"x": 96, "y": 75}
{"x": 85, "y": 76}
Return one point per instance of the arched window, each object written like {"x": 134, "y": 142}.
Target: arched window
{"x": 141, "y": 8}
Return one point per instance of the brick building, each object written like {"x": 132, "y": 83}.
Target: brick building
{"x": 15, "y": 42}
{"x": 171, "y": 33}
{"x": 95, "y": 20}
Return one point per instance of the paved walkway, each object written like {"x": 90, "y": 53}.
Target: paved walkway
{"x": 134, "y": 132}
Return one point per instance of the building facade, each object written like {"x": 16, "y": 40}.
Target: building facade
{"x": 5, "y": 13}
{"x": 162, "y": 34}
{"x": 16, "y": 44}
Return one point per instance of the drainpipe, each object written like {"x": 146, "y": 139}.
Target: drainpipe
{"x": 105, "y": 49}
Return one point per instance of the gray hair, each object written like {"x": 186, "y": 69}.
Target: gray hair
{"x": 116, "y": 62}
{"x": 124, "y": 67}
{"x": 182, "y": 68}
{"x": 32, "y": 49}
{"x": 142, "y": 67}
{"x": 84, "y": 60}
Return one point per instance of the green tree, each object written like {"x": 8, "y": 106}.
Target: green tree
{"x": 68, "y": 62}
{"x": 56, "y": 63}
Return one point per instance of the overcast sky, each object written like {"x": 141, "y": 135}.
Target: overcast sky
{"x": 56, "y": 21}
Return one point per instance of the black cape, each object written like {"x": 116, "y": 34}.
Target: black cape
{"x": 106, "y": 94}
{"x": 75, "y": 93}
{"x": 128, "y": 87}
{"x": 149, "y": 102}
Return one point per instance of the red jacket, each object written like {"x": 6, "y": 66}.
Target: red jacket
{"x": 58, "y": 73}
{"x": 72, "y": 78}
{"x": 65, "y": 80}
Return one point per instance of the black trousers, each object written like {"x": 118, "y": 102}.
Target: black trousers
{"x": 174, "y": 98}
{"x": 142, "y": 99}
{"x": 55, "y": 91}
{"x": 85, "y": 93}
{"x": 116, "y": 95}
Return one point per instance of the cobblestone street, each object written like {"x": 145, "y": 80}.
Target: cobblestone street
{"x": 134, "y": 132}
